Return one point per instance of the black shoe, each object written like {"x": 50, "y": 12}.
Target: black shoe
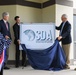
{"x": 24, "y": 65}
{"x": 6, "y": 68}
{"x": 17, "y": 66}
{"x": 67, "y": 67}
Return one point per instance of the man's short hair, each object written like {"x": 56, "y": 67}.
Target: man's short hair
{"x": 64, "y": 15}
{"x": 5, "y": 14}
{"x": 16, "y": 17}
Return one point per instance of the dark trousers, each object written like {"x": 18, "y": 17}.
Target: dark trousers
{"x": 1, "y": 72}
{"x": 17, "y": 56}
{"x": 7, "y": 55}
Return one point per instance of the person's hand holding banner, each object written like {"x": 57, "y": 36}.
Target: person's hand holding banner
{"x": 59, "y": 38}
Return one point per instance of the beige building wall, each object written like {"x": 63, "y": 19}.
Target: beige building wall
{"x": 44, "y": 0}
{"x": 27, "y": 14}
{"x": 39, "y": 1}
{"x": 48, "y": 14}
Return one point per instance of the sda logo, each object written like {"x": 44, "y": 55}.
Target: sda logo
{"x": 39, "y": 36}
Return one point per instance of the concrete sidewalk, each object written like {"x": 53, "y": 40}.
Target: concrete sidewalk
{"x": 30, "y": 71}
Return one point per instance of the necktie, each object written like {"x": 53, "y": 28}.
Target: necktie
{"x": 6, "y": 25}
{"x": 62, "y": 28}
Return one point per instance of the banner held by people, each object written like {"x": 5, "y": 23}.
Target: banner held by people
{"x": 43, "y": 51}
{"x": 37, "y": 35}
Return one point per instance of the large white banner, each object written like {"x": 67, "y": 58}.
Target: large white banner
{"x": 37, "y": 35}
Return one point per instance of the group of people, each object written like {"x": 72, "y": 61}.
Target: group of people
{"x": 64, "y": 37}
{"x": 5, "y": 30}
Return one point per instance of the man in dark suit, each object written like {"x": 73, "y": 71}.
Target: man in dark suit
{"x": 16, "y": 29}
{"x": 65, "y": 37}
{"x": 5, "y": 30}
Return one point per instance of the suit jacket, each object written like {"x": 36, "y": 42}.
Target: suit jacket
{"x": 66, "y": 33}
{"x": 16, "y": 29}
{"x": 4, "y": 30}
